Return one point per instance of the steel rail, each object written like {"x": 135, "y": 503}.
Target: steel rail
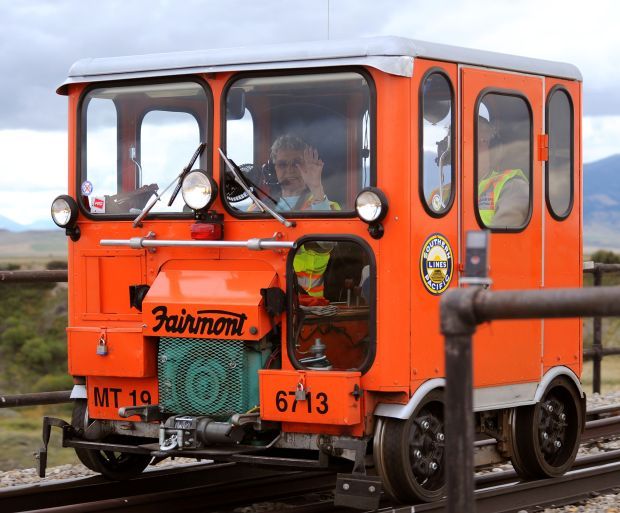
{"x": 97, "y": 488}
{"x": 204, "y": 496}
{"x": 512, "y": 497}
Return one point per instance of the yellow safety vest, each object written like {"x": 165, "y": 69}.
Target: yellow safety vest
{"x": 310, "y": 268}
{"x": 490, "y": 189}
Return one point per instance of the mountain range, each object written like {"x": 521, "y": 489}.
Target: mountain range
{"x": 601, "y": 204}
{"x": 601, "y": 210}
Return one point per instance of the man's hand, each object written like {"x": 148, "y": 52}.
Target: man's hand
{"x": 311, "y": 169}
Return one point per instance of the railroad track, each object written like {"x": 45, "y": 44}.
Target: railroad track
{"x": 228, "y": 487}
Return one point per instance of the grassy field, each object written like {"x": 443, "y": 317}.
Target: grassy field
{"x": 20, "y": 437}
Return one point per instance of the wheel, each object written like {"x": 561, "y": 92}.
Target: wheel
{"x": 117, "y": 466}
{"x": 545, "y": 437}
{"x": 409, "y": 454}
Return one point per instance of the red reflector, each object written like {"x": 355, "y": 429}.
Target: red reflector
{"x": 206, "y": 231}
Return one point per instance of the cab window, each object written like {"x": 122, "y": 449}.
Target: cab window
{"x": 436, "y": 144}
{"x": 332, "y": 296}
{"x": 503, "y": 161}
{"x": 301, "y": 142}
{"x": 560, "y": 163}
{"x": 135, "y": 141}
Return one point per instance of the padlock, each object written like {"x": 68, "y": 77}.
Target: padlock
{"x": 102, "y": 346}
{"x": 300, "y": 392}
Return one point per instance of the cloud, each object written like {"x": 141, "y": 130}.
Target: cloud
{"x": 601, "y": 137}
{"x": 33, "y": 171}
{"x": 39, "y": 40}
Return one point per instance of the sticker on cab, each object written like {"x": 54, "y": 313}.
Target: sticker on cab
{"x": 97, "y": 206}
{"x": 436, "y": 264}
{"x": 86, "y": 188}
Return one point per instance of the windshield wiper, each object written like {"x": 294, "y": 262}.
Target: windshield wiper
{"x": 236, "y": 172}
{"x": 178, "y": 180}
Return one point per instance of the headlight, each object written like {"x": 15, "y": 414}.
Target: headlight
{"x": 198, "y": 189}
{"x": 371, "y": 205}
{"x": 64, "y": 211}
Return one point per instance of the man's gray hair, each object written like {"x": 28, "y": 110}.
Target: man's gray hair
{"x": 287, "y": 142}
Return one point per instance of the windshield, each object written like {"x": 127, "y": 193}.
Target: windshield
{"x": 302, "y": 141}
{"x": 135, "y": 140}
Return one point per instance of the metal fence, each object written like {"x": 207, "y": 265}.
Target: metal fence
{"x": 461, "y": 312}
{"x": 36, "y": 399}
{"x": 597, "y": 351}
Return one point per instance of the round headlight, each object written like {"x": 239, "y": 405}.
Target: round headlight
{"x": 199, "y": 190}
{"x": 371, "y": 205}
{"x": 64, "y": 211}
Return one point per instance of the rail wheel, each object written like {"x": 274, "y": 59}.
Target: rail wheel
{"x": 117, "y": 466}
{"x": 409, "y": 454}
{"x": 545, "y": 437}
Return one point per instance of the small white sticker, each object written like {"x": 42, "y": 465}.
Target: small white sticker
{"x": 87, "y": 188}
{"x": 97, "y": 205}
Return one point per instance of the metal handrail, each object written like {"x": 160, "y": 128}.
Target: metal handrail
{"x": 461, "y": 311}
{"x": 49, "y": 276}
{"x": 598, "y": 352}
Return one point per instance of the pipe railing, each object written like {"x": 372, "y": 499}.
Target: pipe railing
{"x": 41, "y": 398}
{"x": 597, "y": 352}
{"x": 461, "y": 312}
{"x": 49, "y": 276}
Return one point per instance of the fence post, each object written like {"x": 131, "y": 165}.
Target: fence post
{"x": 597, "y": 355}
{"x": 458, "y": 324}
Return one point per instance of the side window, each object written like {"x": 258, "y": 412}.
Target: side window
{"x": 436, "y": 107}
{"x": 332, "y": 294}
{"x": 560, "y": 163}
{"x": 503, "y": 161}
{"x": 101, "y": 140}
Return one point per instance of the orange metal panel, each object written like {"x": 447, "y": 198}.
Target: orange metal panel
{"x": 506, "y": 351}
{"x": 328, "y": 399}
{"x": 563, "y": 255}
{"x": 128, "y": 352}
{"x": 427, "y": 345}
{"x": 107, "y": 395}
{"x": 209, "y": 299}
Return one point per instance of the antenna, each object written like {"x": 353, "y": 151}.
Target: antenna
{"x": 328, "y": 19}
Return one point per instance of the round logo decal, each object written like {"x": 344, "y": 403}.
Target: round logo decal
{"x": 436, "y": 263}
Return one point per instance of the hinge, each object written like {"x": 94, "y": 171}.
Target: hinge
{"x": 543, "y": 147}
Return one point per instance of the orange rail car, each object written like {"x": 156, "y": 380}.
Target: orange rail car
{"x": 275, "y": 301}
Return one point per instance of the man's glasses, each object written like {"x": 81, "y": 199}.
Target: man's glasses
{"x": 285, "y": 164}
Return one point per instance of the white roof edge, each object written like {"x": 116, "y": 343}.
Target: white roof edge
{"x": 389, "y": 54}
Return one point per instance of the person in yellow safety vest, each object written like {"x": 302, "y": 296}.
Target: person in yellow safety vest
{"x": 503, "y": 196}
{"x": 298, "y": 170}
{"x": 310, "y": 263}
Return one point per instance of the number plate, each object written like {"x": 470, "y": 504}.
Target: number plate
{"x": 329, "y": 397}
{"x": 107, "y": 395}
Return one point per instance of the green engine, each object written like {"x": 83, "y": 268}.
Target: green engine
{"x": 216, "y": 378}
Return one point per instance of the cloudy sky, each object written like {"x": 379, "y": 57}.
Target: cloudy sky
{"x": 40, "y": 39}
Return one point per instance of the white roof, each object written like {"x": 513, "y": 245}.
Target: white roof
{"x": 392, "y": 55}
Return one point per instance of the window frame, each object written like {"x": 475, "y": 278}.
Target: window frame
{"x": 372, "y": 311}
{"x": 571, "y": 105}
{"x": 80, "y": 156}
{"x": 517, "y": 94}
{"x": 440, "y": 71}
{"x": 329, "y": 214}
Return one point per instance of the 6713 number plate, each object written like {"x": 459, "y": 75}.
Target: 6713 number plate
{"x": 310, "y": 397}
